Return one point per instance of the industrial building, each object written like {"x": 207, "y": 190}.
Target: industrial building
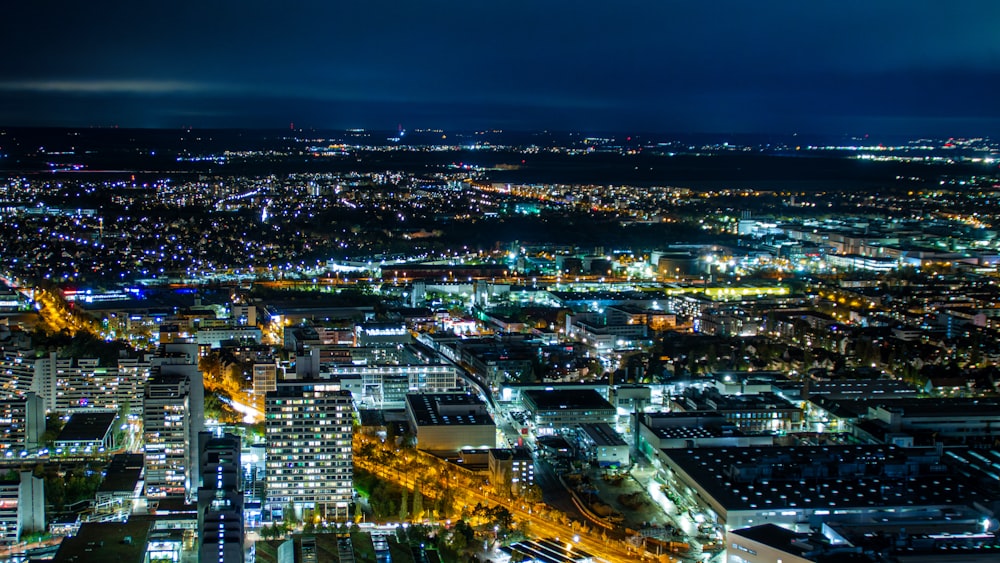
{"x": 449, "y": 422}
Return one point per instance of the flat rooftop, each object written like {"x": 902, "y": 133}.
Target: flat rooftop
{"x": 513, "y": 454}
{"x": 770, "y": 535}
{"x": 963, "y": 407}
{"x": 428, "y": 408}
{"x": 123, "y": 473}
{"x": 692, "y": 432}
{"x": 796, "y": 544}
{"x": 684, "y": 416}
{"x": 834, "y": 477}
{"x": 719, "y": 402}
{"x": 602, "y": 435}
{"x": 87, "y": 427}
{"x": 568, "y": 399}
{"x": 121, "y": 542}
{"x": 944, "y": 407}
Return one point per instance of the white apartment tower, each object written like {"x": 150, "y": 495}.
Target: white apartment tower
{"x": 173, "y": 415}
{"x": 309, "y": 459}
{"x": 167, "y": 425}
{"x": 22, "y": 507}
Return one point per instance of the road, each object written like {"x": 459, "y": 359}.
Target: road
{"x": 251, "y": 414}
{"x": 555, "y": 494}
{"x": 595, "y": 541}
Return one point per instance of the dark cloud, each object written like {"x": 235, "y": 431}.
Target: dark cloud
{"x": 722, "y": 66}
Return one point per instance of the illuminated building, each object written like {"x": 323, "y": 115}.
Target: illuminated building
{"x": 449, "y": 422}
{"x": 22, "y": 507}
{"x": 309, "y": 454}
{"x": 553, "y": 410}
{"x": 512, "y": 469}
{"x": 167, "y": 424}
{"x": 173, "y": 415}
{"x": 22, "y": 422}
{"x": 220, "y": 499}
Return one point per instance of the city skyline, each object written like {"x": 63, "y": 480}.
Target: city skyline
{"x": 452, "y": 282}
{"x": 909, "y": 68}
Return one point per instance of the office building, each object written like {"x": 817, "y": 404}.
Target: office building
{"x": 603, "y": 446}
{"x": 553, "y": 410}
{"x": 511, "y": 470}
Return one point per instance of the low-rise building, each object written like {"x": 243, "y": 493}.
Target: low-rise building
{"x": 214, "y": 336}
{"x": 799, "y": 487}
{"x": 121, "y": 488}
{"x": 553, "y": 410}
{"x": 87, "y": 432}
{"x": 948, "y": 420}
{"x": 931, "y": 535}
{"x": 761, "y": 412}
{"x": 386, "y": 385}
{"x": 603, "y": 446}
{"x": 699, "y": 429}
{"x": 96, "y": 542}
{"x": 449, "y": 422}
{"x": 511, "y": 470}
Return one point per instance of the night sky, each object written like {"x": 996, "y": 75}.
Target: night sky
{"x": 881, "y": 67}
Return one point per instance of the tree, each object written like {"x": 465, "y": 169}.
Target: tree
{"x": 403, "y": 511}
{"x": 289, "y": 515}
{"x": 211, "y": 366}
{"x": 309, "y": 518}
{"x": 594, "y": 368}
{"x": 53, "y": 426}
{"x": 532, "y": 494}
{"x": 418, "y": 504}
{"x": 712, "y": 357}
{"x": 234, "y": 380}
{"x": 270, "y": 532}
{"x": 446, "y": 504}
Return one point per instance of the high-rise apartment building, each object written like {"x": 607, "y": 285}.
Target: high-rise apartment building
{"x": 220, "y": 499}
{"x": 167, "y": 425}
{"x": 22, "y": 507}
{"x": 68, "y": 384}
{"x": 173, "y": 416}
{"x": 22, "y": 422}
{"x": 309, "y": 453}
